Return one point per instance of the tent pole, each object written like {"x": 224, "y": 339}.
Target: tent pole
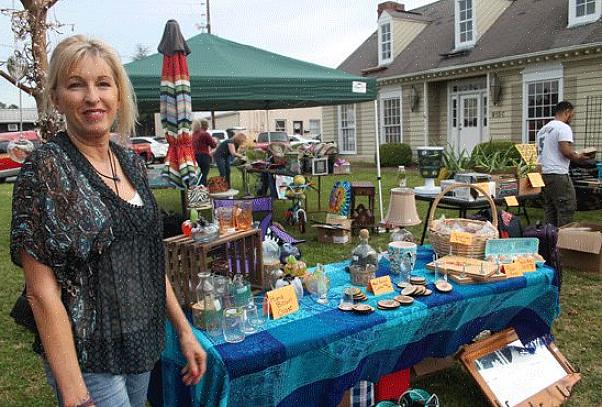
{"x": 213, "y": 119}
{"x": 378, "y": 175}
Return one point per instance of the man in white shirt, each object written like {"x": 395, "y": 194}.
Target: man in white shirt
{"x": 555, "y": 148}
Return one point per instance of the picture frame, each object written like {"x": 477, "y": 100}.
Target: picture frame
{"x": 319, "y": 166}
{"x": 510, "y": 375}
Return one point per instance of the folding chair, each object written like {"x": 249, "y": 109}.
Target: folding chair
{"x": 262, "y": 207}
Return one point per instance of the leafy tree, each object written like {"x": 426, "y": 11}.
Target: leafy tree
{"x": 142, "y": 51}
{"x": 30, "y": 27}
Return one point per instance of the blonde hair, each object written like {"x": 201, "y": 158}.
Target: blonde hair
{"x": 70, "y": 52}
{"x": 199, "y": 124}
{"x": 239, "y": 139}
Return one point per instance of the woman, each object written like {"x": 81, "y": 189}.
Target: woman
{"x": 225, "y": 151}
{"x": 202, "y": 143}
{"x": 87, "y": 232}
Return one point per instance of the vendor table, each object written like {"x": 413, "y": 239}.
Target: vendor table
{"x": 463, "y": 206}
{"x": 246, "y": 170}
{"x": 311, "y": 357}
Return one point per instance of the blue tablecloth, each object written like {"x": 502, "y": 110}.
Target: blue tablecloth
{"x": 311, "y": 357}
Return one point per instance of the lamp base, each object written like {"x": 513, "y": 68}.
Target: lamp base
{"x": 429, "y": 188}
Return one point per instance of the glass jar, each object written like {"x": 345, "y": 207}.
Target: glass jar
{"x": 241, "y": 290}
{"x": 363, "y": 254}
{"x": 401, "y": 176}
{"x": 207, "y": 311}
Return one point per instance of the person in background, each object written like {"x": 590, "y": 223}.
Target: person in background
{"x": 87, "y": 232}
{"x": 202, "y": 143}
{"x": 225, "y": 151}
{"x": 555, "y": 150}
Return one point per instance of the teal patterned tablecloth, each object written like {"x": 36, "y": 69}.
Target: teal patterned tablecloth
{"x": 311, "y": 357}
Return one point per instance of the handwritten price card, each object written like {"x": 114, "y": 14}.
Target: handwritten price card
{"x": 283, "y": 301}
{"x": 381, "y": 285}
{"x": 536, "y": 180}
{"x": 528, "y": 152}
{"x": 513, "y": 270}
{"x": 511, "y": 200}
{"x": 527, "y": 265}
{"x": 484, "y": 186}
{"x": 464, "y": 238}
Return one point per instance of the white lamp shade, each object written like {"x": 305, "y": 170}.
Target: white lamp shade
{"x": 402, "y": 209}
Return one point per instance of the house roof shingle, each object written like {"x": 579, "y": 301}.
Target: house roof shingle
{"x": 525, "y": 27}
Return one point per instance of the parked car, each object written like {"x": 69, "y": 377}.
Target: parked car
{"x": 264, "y": 139}
{"x": 158, "y": 149}
{"x": 297, "y": 140}
{"x": 143, "y": 150}
{"x": 219, "y": 135}
{"x": 8, "y": 167}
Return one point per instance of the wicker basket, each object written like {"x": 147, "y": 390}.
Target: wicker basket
{"x": 440, "y": 240}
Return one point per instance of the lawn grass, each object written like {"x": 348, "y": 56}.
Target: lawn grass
{"x": 578, "y": 331}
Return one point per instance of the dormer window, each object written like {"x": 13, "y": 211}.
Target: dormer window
{"x": 465, "y": 24}
{"x": 584, "y": 11}
{"x": 385, "y": 43}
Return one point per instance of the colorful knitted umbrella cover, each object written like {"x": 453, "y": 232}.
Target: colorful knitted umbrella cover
{"x": 181, "y": 168}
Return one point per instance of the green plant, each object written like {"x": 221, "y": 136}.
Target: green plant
{"x": 495, "y": 156}
{"x": 456, "y": 161}
{"x": 392, "y": 155}
{"x": 491, "y": 146}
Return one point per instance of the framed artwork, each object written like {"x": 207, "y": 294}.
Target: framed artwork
{"x": 319, "y": 166}
{"x": 510, "y": 374}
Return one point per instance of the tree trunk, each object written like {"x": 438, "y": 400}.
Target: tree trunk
{"x": 48, "y": 120}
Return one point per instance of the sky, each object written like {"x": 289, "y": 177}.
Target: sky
{"x": 324, "y": 32}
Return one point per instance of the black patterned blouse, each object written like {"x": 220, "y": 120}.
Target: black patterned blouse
{"x": 106, "y": 253}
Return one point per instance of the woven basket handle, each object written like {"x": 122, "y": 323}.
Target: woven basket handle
{"x": 456, "y": 186}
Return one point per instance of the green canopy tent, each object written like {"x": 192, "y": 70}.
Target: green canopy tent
{"x": 225, "y": 75}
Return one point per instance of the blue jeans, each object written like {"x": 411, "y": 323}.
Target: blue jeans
{"x": 223, "y": 165}
{"x": 108, "y": 390}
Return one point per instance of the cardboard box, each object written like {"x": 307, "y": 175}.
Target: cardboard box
{"x": 335, "y": 230}
{"x": 580, "y": 246}
{"x": 432, "y": 365}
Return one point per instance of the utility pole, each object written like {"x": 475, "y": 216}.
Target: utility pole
{"x": 208, "y": 18}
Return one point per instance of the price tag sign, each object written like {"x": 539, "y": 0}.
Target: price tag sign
{"x": 484, "y": 186}
{"x": 527, "y": 265}
{"x": 513, "y": 270}
{"x": 528, "y": 152}
{"x": 380, "y": 285}
{"x": 536, "y": 180}
{"x": 464, "y": 238}
{"x": 511, "y": 200}
{"x": 283, "y": 301}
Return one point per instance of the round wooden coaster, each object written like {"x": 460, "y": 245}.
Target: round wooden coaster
{"x": 427, "y": 292}
{"x": 409, "y": 290}
{"x": 388, "y": 304}
{"x": 363, "y": 308}
{"x": 403, "y": 285}
{"x": 404, "y": 299}
{"x": 346, "y": 307}
{"x": 443, "y": 286}
{"x": 417, "y": 280}
{"x": 362, "y": 297}
{"x": 420, "y": 290}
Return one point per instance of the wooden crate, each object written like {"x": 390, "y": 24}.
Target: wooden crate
{"x": 185, "y": 258}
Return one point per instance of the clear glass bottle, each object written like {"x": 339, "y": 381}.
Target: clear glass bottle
{"x": 207, "y": 311}
{"x": 363, "y": 254}
{"x": 321, "y": 284}
{"x": 241, "y": 290}
{"x": 401, "y": 176}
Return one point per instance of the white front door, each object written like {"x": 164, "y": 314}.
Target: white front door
{"x": 469, "y": 123}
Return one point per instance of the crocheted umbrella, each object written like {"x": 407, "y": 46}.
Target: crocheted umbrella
{"x": 176, "y": 110}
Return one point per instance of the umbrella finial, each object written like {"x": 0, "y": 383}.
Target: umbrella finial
{"x": 173, "y": 41}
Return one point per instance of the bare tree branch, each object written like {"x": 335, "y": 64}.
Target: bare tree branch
{"x": 19, "y": 85}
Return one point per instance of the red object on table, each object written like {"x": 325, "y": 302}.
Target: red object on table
{"x": 392, "y": 386}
